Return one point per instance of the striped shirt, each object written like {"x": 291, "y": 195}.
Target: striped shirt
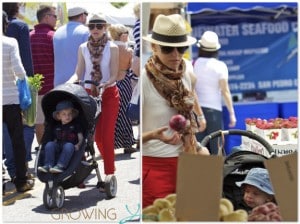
{"x": 136, "y": 35}
{"x": 12, "y": 68}
{"x": 41, "y": 40}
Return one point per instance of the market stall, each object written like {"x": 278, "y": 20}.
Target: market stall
{"x": 256, "y": 109}
{"x": 260, "y": 46}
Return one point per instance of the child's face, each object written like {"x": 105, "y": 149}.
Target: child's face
{"x": 254, "y": 197}
{"x": 65, "y": 116}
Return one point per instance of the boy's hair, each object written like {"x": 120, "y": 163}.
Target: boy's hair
{"x": 42, "y": 11}
{"x": 11, "y": 8}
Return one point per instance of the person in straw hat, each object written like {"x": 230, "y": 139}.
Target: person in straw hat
{"x": 98, "y": 60}
{"x": 167, "y": 83}
{"x": 211, "y": 85}
{"x": 65, "y": 139}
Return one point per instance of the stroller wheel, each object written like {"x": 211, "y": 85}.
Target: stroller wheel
{"x": 110, "y": 186}
{"x": 58, "y": 195}
{"x": 53, "y": 198}
{"x": 47, "y": 198}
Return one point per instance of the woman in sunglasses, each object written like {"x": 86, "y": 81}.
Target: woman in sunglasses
{"x": 167, "y": 90}
{"x": 98, "y": 60}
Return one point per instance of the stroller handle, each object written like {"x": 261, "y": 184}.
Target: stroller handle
{"x": 249, "y": 134}
{"x": 81, "y": 82}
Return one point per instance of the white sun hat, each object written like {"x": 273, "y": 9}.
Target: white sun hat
{"x": 209, "y": 41}
{"x": 170, "y": 31}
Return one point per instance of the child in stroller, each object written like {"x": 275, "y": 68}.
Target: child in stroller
{"x": 238, "y": 164}
{"x": 259, "y": 196}
{"x": 257, "y": 188}
{"x": 66, "y": 138}
{"x": 77, "y": 170}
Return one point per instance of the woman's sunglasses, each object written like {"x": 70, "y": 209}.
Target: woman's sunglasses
{"x": 99, "y": 26}
{"x": 168, "y": 50}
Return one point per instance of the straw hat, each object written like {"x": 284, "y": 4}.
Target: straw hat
{"x": 97, "y": 19}
{"x": 64, "y": 105}
{"x": 209, "y": 41}
{"x": 170, "y": 31}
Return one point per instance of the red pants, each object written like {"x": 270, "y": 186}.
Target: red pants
{"x": 159, "y": 178}
{"x": 105, "y": 127}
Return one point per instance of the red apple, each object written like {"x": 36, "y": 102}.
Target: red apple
{"x": 177, "y": 122}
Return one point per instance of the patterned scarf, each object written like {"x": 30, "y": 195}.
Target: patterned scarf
{"x": 170, "y": 86}
{"x": 96, "y": 48}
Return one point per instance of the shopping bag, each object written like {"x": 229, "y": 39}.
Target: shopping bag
{"x": 284, "y": 178}
{"x": 29, "y": 115}
{"x": 24, "y": 93}
{"x": 133, "y": 108}
{"x": 199, "y": 187}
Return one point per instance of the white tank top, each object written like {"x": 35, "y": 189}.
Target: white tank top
{"x": 105, "y": 63}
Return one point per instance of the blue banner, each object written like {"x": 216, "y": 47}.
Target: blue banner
{"x": 260, "y": 56}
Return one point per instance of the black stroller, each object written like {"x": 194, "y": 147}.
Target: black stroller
{"x": 78, "y": 169}
{"x": 237, "y": 165}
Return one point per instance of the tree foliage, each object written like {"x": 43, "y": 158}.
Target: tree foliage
{"x": 118, "y": 4}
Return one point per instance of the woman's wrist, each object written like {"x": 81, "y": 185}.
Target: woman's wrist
{"x": 231, "y": 111}
{"x": 232, "y": 114}
{"x": 200, "y": 120}
{"x": 200, "y": 117}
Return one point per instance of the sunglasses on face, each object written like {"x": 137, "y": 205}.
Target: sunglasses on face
{"x": 168, "y": 50}
{"x": 99, "y": 26}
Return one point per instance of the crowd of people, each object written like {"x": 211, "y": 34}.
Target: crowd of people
{"x": 81, "y": 49}
{"x": 92, "y": 49}
{"x": 98, "y": 51}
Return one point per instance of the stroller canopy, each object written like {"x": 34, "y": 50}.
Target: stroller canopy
{"x": 85, "y": 104}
